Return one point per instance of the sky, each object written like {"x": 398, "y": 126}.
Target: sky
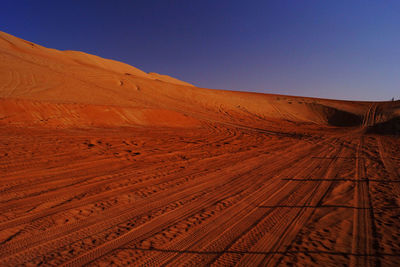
{"x": 340, "y": 49}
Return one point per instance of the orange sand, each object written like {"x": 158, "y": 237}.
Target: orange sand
{"x": 104, "y": 164}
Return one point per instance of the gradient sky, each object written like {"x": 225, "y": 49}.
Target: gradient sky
{"x": 341, "y": 49}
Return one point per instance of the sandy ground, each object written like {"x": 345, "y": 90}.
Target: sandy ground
{"x": 165, "y": 173}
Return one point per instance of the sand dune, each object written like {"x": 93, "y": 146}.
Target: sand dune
{"x": 104, "y": 164}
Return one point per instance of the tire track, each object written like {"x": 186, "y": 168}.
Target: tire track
{"x": 239, "y": 225}
{"x": 204, "y": 182}
{"x": 200, "y": 237}
{"x": 364, "y": 234}
{"x": 110, "y": 247}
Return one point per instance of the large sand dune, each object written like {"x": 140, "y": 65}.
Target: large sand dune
{"x": 104, "y": 164}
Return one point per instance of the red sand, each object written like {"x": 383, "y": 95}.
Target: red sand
{"x": 103, "y": 164}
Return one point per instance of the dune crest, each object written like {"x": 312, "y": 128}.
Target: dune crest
{"x": 33, "y": 72}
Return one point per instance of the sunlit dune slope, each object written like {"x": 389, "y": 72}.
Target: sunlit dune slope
{"x": 67, "y": 84}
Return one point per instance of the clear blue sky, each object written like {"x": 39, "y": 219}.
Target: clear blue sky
{"x": 344, "y": 49}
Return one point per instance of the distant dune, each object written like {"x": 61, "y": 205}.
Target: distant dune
{"x": 35, "y": 73}
{"x": 103, "y": 164}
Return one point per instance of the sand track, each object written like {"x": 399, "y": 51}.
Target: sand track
{"x": 228, "y": 199}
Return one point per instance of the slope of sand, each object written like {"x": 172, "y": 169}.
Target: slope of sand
{"x": 104, "y": 164}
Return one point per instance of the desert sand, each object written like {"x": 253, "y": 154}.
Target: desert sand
{"x": 106, "y": 165}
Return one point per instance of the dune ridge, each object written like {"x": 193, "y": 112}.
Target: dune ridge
{"x": 32, "y": 72}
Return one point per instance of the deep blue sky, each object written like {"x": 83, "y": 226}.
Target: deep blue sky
{"x": 344, "y": 49}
